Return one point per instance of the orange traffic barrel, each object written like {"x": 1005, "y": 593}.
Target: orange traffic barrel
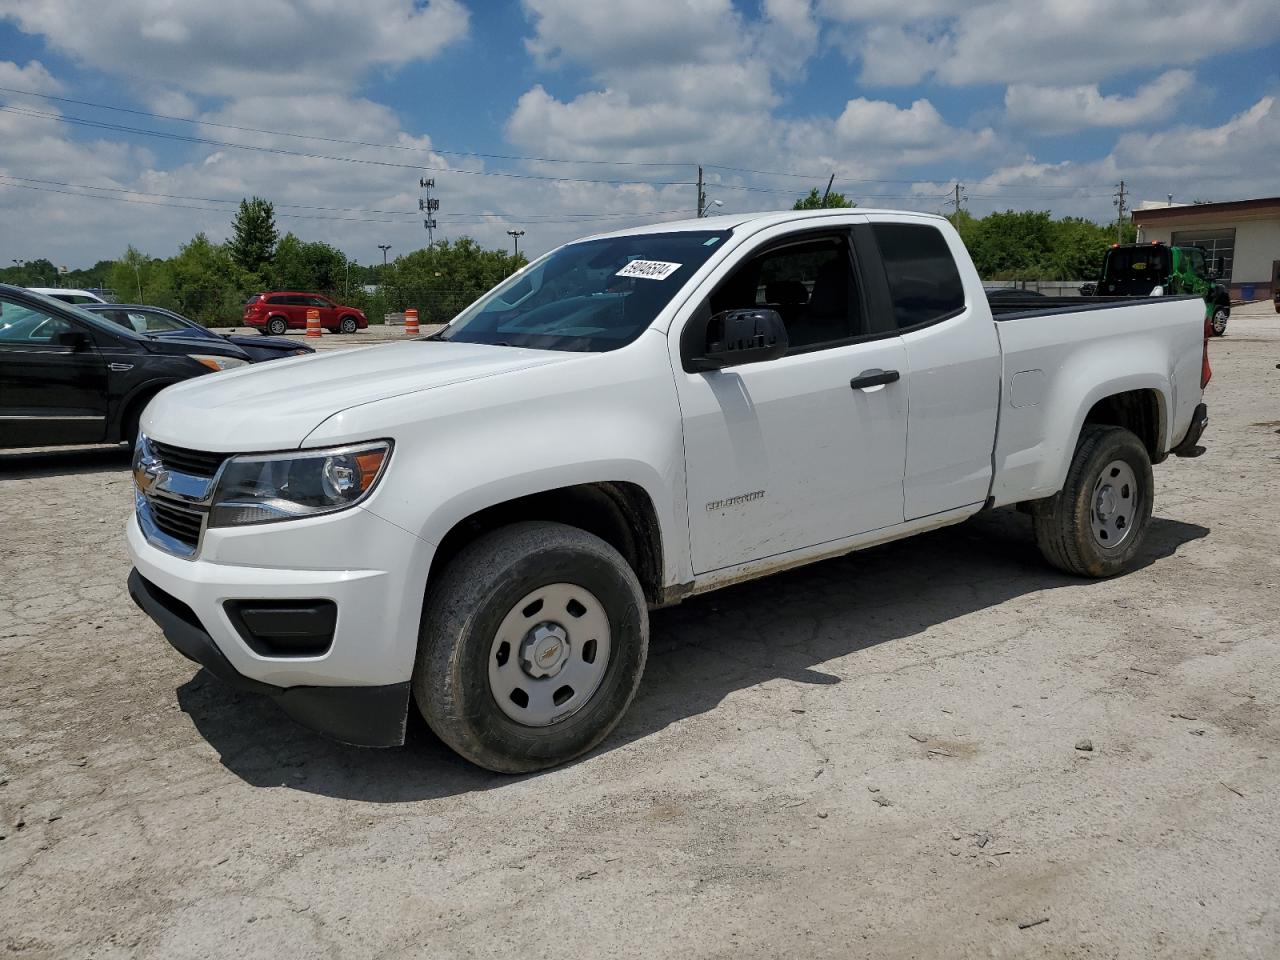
{"x": 411, "y": 322}
{"x": 313, "y": 323}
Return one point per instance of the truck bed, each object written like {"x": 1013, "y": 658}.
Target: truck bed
{"x": 1086, "y": 347}
{"x": 1018, "y": 308}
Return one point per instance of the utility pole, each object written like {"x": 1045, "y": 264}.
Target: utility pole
{"x": 1121, "y": 209}
{"x": 960, "y": 197}
{"x": 702, "y": 195}
{"x": 429, "y": 205}
{"x": 515, "y": 236}
{"x": 827, "y": 192}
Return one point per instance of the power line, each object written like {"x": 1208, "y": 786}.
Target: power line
{"x": 460, "y": 219}
{"x": 465, "y": 153}
{"x": 121, "y": 128}
{"x": 354, "y": 143}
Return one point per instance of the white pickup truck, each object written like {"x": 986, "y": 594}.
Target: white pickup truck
{"x": 479, "y": 520}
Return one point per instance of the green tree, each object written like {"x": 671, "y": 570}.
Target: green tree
{"x": 813, "y": 201}
{"x": 303, "y": 265}
{"x": 443, "y": 278}
{"x": 253, "y": 235}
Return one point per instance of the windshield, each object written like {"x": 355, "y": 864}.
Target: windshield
{"x": 79, "y": 312}
{"x": 1137, "y": 263}
{"x": 589, "y": 297}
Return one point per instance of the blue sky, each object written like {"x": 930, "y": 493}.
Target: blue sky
{"x": 1039, "y": 104}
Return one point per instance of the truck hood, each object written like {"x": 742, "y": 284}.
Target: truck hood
{"x": 274, "y": 406}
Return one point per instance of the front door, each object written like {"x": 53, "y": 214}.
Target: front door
{"x": 788, "y": 454}
{"x": 328, "y": 316}
{"x": 53, "y": 381}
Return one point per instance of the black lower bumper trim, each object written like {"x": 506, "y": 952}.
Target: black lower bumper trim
{"x": 1189, "y": 447}
{"x": 363, "y": 716}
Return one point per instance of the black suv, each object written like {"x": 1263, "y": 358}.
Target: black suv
{"x": 68, "y": 376}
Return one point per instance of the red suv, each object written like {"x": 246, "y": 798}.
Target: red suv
{"x": 274, "y": 313}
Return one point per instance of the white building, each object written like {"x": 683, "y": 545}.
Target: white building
{"x": 1242, "y": 237}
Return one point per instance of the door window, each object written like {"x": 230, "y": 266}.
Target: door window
{"x": 809, "y": 283}
{"x": 923, "y": 279}
{"x": 22, "y": 324}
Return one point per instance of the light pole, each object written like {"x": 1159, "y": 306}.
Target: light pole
{"x": 515, "y": 236}
{"x": 346, "y": 286}
{"x": 384, "y": 247}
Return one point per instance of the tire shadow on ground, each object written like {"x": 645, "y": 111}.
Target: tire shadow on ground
{"x": 700, "y": 652}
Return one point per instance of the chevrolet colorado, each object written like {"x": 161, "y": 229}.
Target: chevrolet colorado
{"x": 478, "y": 521}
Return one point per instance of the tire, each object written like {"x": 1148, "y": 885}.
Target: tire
{"x": 482, "y": 603}
{"x": 1219, "y": 321}
{"x": 277, "y": 326}
{"x": 348, "y": 325}
{"x": 1106, "y": 497}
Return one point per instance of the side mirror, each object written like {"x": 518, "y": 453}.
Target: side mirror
{"x": 735, "y": 337}
{"x": 74, "y": 339}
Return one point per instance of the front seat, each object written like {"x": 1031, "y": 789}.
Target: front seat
{"x": 827, "y": 315}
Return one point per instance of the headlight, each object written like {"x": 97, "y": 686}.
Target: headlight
{"x": 285, "y": 486}
{"x": 217, "y": 363}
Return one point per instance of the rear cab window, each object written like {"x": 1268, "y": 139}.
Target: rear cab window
{"x": 924, "y": 281}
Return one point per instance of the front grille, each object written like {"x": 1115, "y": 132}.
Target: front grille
{"x": 177, "y": 520}
{"x": 181, "y": 460}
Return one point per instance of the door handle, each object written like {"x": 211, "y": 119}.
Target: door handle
{"x": 874, "y": 378}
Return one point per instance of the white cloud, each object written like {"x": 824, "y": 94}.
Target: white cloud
{"x": 787, "y": 36}
{"x": 1067, "y": 109}
{"x": 236, "y": 47}
{"x": 1212, "y": 163}
{"x": 1042, "y": 42}
{"x": 624, "y": 33}
{"x": 894, "y": 55}
{"x": 32, "y": 77}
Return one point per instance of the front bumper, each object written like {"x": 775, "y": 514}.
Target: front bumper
{"x": 363, "y": 716}
{"x": 357, "y": 689}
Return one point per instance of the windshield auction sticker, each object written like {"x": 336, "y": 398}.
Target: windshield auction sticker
{"x": 649, "y": 269}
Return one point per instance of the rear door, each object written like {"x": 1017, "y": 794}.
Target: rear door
{"x": 788, "y": 454}
{"x": 293, "y": 307}
{"x": 953, "y": 354}
{"x": 53, "y": 380}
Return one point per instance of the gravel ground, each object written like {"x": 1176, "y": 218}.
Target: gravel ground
{"x": 882, "y": 755}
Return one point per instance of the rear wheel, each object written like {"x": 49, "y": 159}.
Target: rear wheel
{"x": 1219, "y": 321}
{"x": 1094, "y": 526}
{"x": 348, "y": 325}
{"x": 533, "y": 643}
{"x": 277, "y": 326}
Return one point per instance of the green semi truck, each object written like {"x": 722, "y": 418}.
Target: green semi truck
{"x": 1157, "y": 269}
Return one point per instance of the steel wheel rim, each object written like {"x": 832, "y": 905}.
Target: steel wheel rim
{"x": 549, "y": 654}
{"x": 1114, "y": 504}
{"x": 1220, "y": 320}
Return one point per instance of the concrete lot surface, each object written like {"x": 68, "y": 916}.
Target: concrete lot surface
{"x": 876, "y": 756}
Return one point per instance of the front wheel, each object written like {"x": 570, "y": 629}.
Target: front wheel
{"x": 1094, "y": 526}
{"x": 532, "y": 645}
{"x": 348, "y": 325}
{"x": 1219, "y": 321}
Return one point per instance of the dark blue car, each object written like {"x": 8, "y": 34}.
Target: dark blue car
{"x": 159, "y": 322}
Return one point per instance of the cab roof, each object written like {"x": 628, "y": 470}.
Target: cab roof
{"x": 758, "y": 221}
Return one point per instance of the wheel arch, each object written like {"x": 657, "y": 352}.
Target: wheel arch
{"x": 622, "y": 513}
{"x": 135, "y": 402}
{"x": 1140, "y": 411}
